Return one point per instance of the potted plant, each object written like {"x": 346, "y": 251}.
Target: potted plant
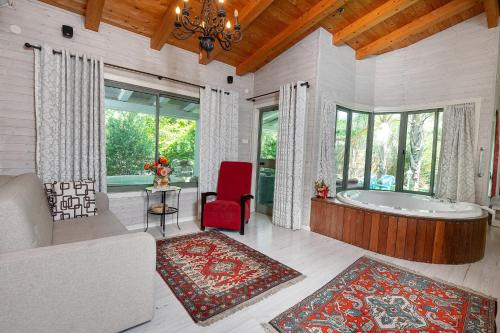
{"x": 161, "y": 169}
{"x": 321, "y": 189}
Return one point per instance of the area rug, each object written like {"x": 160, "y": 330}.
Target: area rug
{"x": 372, "y": 296}
{"x": 213, "y": 275}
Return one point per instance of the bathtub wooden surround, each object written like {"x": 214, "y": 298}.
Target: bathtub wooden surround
{"x": 443, "y": 241}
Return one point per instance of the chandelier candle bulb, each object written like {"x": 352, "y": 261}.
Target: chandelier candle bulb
{"x": 177, "y": 13}
{"x": 228, "y": 25}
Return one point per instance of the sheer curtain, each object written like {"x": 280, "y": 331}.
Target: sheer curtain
{"x": 289, "y": 182}
{"x": 456, "y": 164}
{"x": 326, "y": 154}
{"x": 70, "y": 123}
{"x": 218, "y": 133}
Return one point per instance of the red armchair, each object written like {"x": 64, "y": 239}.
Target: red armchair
{"x": 231, "y": 208}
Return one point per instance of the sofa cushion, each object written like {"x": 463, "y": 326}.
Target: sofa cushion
{"x": 72, "y": 199}
{"x": 103, "y": 225}
{"x": 25, "y": 221}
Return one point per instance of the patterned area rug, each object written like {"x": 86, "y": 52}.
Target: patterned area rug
{"x": 372, "y": 296}
{"x": 213, "y": 275}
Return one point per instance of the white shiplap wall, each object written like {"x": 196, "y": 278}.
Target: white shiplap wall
{"x": 41, "y": 23}
{"x": 299, "y": 63}
{"x": 455, "y": 64}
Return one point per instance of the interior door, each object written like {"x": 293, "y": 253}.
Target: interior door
{"x": 268, "y": 136}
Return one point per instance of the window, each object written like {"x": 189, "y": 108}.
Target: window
{"x": 351, "y": 134}
{"x": 142, "y": 124}
{"x": 401, "y": 150}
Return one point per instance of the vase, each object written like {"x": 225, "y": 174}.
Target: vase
{"x": 160, "y": 182}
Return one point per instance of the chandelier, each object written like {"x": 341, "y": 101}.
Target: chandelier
{"x": 210, "y": 26}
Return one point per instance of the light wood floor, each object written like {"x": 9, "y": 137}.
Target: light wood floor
{"x": 319, "y": 258}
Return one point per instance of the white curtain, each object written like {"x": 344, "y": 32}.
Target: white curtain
{"x": 70, "y": 124}
{"x": 218, "y": 133}
{"x": 289, "y": 182}
{"x": 456, "y": 164}
{"x": 326, "y": 154}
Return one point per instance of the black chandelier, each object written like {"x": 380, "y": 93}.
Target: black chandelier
{"x": 210, "y": 26}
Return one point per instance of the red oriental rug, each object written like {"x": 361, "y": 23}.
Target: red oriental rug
{"x": 372, "y": 296}
{"x": 213, "y": 275}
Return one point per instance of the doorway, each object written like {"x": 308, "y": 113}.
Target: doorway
{"x": 266, "y": 159}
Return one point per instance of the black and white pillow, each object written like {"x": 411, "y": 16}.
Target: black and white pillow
{"x": 73, "y": 199}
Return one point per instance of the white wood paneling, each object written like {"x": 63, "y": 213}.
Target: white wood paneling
{"x": 41, "y": 23}
{"x": 457, "y": 63}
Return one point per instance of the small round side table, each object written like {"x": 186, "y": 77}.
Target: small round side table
{"x": 169, "y": 211}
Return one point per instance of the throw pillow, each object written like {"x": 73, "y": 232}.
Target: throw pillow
{"x": 51, "y": 197}
{"x": 74, "y": 199}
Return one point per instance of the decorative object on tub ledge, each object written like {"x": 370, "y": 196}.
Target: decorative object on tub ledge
{"x": 321, "y": 189}
{"x": 374, "y": 296}
{"x": 213, "y": 275}
{"x": 161, "y": 170}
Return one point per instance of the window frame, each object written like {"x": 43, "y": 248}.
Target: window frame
{"x": 402, "y": 135}
{"x": 158, "y": 94}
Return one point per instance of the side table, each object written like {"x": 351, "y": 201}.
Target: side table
{"x": 169, "y": 211}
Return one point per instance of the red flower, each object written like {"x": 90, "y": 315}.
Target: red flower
{"x": 147, "y": 166}
{"x": 159, "y": 171}
{"x": 163, "y": 160}
{"x": 163, "y": 172}
{"x": 155, "y": 164}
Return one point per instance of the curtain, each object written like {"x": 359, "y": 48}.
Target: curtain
{"x": 70, "y": 123}
{"x": 289, "y": 179}
{"x": 218, "y": 134}
{"x": 456, "y": 163}
{"x": 326, "y": 155}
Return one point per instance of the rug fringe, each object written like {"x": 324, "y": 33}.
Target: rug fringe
{"x": 268, "y": 328}
{"x": 251, "y": 301}
{"x": 472, "y": 291}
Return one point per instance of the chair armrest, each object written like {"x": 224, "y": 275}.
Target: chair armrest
{"x": 101, "y": 201}
{"x": 205, "y": 195}
{"x": 100, "y": 285}
{"x": 243, "y": 199}
{"x": 246, "y": 197}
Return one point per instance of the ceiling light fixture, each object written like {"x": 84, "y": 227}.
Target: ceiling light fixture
{"x": 210, "y": 26}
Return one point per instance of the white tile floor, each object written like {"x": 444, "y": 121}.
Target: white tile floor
{"x": 318, "y": 257}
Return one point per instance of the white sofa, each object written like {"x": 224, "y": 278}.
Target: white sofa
{"x": 81, "y": 275}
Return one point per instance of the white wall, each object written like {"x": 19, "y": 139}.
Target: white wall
{"x": 455, "y": 64}
{"x": 299, "y": 63}
{"x": 41, "y": 23}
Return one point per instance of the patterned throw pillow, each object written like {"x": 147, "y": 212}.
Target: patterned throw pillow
{"x": 73, "y": 199}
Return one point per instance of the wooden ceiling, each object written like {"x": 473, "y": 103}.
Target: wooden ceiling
{"x": 370, "y": 27}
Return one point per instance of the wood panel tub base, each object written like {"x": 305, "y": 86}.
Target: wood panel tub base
{"x": 437, "y": 241}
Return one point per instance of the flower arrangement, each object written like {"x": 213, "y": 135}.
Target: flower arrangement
{"x": 321, "y": 189}
{"x": 161, "y": 169}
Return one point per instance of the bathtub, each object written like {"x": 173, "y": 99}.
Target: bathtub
{"x": 406, "y": 226}
{"x": 407, "y": 204}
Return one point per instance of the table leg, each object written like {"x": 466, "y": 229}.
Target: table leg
{"x": 178, "y": 208}
{"x": 147, "y": 211}
{"x": 162, "y": 218}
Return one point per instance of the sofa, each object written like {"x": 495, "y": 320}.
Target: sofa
{"x": 81, "y": 275}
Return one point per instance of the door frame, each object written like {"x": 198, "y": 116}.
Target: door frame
{"x": 266, "y": 103}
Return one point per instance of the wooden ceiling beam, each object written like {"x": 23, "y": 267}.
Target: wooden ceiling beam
{"x": 492, "y": 12}
{"x": 289, "y": 36}
{"x": 422, "y": 23}
{"x": 248, "y": 14}
{"x": 376, "y": 16}
{"x": 163, "y": 31}
{"x": 93, "y": 14}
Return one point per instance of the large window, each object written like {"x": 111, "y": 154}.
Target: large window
{"x": 401, "y": 150}
{"x": 142, "y": 124}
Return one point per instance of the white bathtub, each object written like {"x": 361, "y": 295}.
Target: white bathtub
{"x": 409, "y": 204}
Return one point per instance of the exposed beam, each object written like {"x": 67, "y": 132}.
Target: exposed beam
{"x": 93, "y": 14}
{"x": 247, "y": 15}
{"x": 492, "y": 12}
{"x": 289, "y": 36}
{"x": 378, "y": 15}
{"x": 165, "y": 28}
{"x": 422, "y": 23}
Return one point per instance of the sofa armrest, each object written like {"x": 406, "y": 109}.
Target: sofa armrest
{"x": 101, "y": 285}
{"x": 101, "y": 201}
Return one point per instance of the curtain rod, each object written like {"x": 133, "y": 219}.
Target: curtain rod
{"x": 276, "y": 92}
{"x": 159, "y": 77}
